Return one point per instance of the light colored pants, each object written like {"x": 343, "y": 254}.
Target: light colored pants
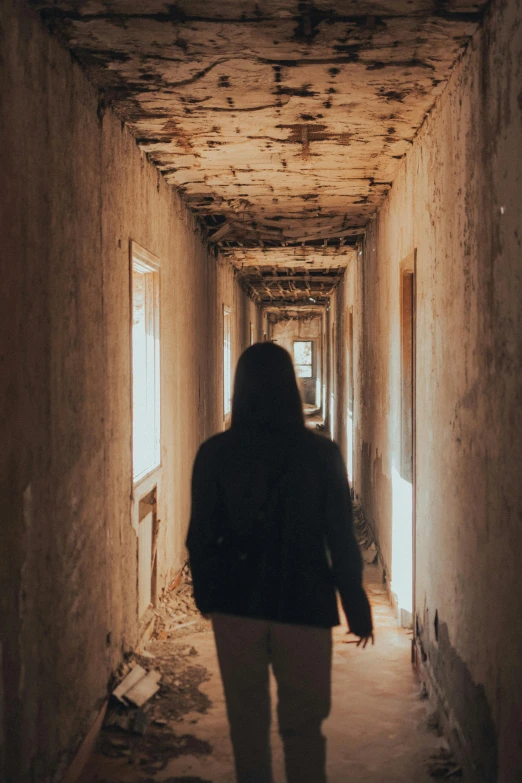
{"x": 301, "y": 658}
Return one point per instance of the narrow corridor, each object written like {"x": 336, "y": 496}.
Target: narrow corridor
{"x": 182, "y": 179}
{"x": 381, "y": 730}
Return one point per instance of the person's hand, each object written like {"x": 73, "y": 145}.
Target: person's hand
{"x": 365, "y": 639}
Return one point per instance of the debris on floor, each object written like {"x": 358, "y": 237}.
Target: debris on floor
{"x": 377, "y": 731}
{"x": 135, "y": 674}
{"x": 152, "y": 693}
{"x": 136, "y": 687}
{"x": 176, "y": 610}
{"x": 145, "y": 736}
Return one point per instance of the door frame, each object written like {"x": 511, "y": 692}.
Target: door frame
{"x": 408, "y": 266}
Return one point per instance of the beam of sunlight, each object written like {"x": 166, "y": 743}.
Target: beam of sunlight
{"x": 402, "y": 546}
{"x": 349, "y": 444}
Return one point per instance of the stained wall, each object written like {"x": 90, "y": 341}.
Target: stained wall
{"x": 75, "y": 190}
{"x": 455, "y": 209}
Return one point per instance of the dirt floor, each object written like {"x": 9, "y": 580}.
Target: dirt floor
{"x": 381, "y": 727}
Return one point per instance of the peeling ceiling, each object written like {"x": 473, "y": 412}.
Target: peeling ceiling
{"x": 282, "y": 123}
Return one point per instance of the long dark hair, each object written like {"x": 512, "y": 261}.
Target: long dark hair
{"x": 265, "y": 389}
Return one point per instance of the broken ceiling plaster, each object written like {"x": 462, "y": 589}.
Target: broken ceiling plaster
{"x": 282, "y": 123}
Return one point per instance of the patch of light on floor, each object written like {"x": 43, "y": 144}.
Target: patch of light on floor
{"x": 402, "y": 560}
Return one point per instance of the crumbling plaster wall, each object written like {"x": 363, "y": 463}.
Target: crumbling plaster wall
{"x": 457, "y": 202}
{"x": 76, "y": 190}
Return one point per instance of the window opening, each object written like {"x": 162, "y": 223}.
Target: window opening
{"x": 303, "y": 358}
{"x": 145, "y": 363}
{"x": 227, "y": 363}
{"x": 407, "y": 376}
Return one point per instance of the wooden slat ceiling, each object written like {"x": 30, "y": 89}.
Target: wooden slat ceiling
{"x": 284, "y": 285}
{"x": 282, "y": 123}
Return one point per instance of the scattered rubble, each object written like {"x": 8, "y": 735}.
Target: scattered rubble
{"x": 158, "y": 685}
{"x": 154, "y": 689}
{"x": 125, "y": 712}
{"x": 313, "y": 418}
{"x": 176, "y": 612}
{"x": 128, "y": 682}
{"x": 145, "y": 735}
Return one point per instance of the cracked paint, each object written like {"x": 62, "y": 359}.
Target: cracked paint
{"x": 282, "y": 124}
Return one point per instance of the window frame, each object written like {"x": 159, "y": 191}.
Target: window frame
{"x": 144, "y": 262}
{"x": 312, "y": 358}
{"x": 227, "y": 364}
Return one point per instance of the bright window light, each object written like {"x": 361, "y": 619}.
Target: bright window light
{"x": 402, "y": 547}
{"x": 227, "y": 363}
{"x": 303, "y": 357}
{"x": 145, "y": 364}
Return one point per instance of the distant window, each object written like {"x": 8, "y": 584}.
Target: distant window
{"x": 303, "y": 357}
{"x": 251, "y": 333}
{"x": 145, "y": 363}
{"x": 227, "y": 363}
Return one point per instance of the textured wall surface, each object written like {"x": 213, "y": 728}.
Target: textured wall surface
{"x": 76, "y": 191}
{"x": 285, "y": 332}
{"x": 457, "y": 202}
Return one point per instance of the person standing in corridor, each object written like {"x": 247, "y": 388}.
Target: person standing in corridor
{"x": 270, "y": 540}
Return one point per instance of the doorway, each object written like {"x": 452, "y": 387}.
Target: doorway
{"x": 403, "y": 508}
{"x": 351, "y": 394}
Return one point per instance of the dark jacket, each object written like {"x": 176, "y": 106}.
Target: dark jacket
{"x": 271, "y": 532}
